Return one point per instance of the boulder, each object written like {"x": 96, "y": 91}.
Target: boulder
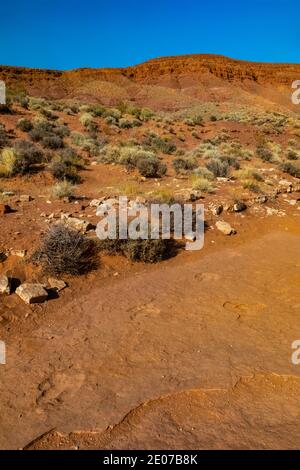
{"x": 32, "y": 293}
{"x": 225, "y": 227}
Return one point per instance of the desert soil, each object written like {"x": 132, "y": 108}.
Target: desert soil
{"x": 191, "y": 353}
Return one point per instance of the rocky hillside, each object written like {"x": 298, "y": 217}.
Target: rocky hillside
{"x": 165, "y": 83}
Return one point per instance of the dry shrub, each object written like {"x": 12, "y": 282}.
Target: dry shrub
{"x": 65, "y": 251}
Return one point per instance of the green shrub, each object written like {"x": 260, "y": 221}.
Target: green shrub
{"x": 202, "y": 184}
{"x": 52, "y": 142}
{"x": 292, "y": 169}
{"x": 3, "y": 137}
{"x": 65, "y": 166}
{"x": 184, "y": 164}
{"x": 264, "y": 153}
{"x": 151, "y": 167}
{"x": 155, "y": 142}
{"x": 21, "y": 159}
{"x": 24, "y": 125}
{"x": 219, "y": 168}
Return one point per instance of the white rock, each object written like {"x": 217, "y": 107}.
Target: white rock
{"x": 4, "y": 284}
{"x": 225, "y": 227}
{"x": 32, "y": 293}
{"x": 57, "y": 284}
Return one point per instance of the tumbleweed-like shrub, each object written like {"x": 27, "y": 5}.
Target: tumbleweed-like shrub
{"x": 66, "y": 251}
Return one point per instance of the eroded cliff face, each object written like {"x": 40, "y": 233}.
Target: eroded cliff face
{"x": 169, "y": 82}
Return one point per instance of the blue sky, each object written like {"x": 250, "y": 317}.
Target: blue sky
{"x": 69, "y": 34}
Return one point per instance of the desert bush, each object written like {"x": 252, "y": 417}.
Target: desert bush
{"x": 3, "y": 137}
{"x": 264, "y": 153}
{"x": 184, "y": 164}
{"x": 248, "y": 173}
{"x": 48, "y": 114}
{"x": 5, "y": 109}
{"x": 7, "y": 162}
{"x": 147, "y": 251}
{"x": 151, "y": 167}
{"x": 219, "y": 168}
{"x": 65, "y": 166}
{"x": 24, "y": 125}
{"x": 155, "y": 142}
{"x": 63, "y": 189}
{"x": 292, "y": 154}
{"x": 251, "y": 185}
{"x": 202, "y": 184}
{"x": 49, "y": 135}
{"x": 20, "y": 159}
{"x": 61, "y": 130}
{"x": 129, "y": 123}
{"x": 292, "y": 169}
{"x": 66, "y": 251}
{"x": 52, "y": 142}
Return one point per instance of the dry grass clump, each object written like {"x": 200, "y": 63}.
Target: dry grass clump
{"x": 63, "y": 189}
{"x": 201, "y": 183}
{"x": 65, "y": 251}
{"x": 146, "y": 251}
{"x": 20, "y": 159}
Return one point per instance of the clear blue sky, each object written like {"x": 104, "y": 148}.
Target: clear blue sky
{"x": 68, "y": 34}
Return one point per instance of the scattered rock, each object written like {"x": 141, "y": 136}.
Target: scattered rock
{"x": 239, "y": 206}
{"x": 225, "y": 227}
{"x": 32, "y": 293}
{"x": 271, "y": 211}
{"x": 57, "y": 284}
{"x": 286, "y": 185}
{"x": 19, "y": 253}
{"x": 195, "y": 195}
{"x": 260, "y": 199}
{"x": 77, "y": 224}
{"x": 4, "y": 209}
{"x": 216, "y": 209}
{"x": 25, "y": 198}
{"x": 96, "y": 202}
{"x": 5, "y": 285}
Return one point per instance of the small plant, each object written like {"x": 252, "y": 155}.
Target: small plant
{"x": 147, "y": 251}
{"x": 184, "y": 164}
{"x": 63, "y": 189}
{"x": 292, "y": 169}
{"x": 264, "y": 153}
{"x": 3, "y": 137}
{"x": 24, "y": 125}
{"x": 21, "y": 159}
{"x": 202, "y": 184}
{"x": 219, "y": 168}
{"x": 151, "y": 167}
{"x": 251, "y": 186}
{"x": 66, "y": 166}
{"x": 155, "y": 142}
{"x": 65, "y": 251}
